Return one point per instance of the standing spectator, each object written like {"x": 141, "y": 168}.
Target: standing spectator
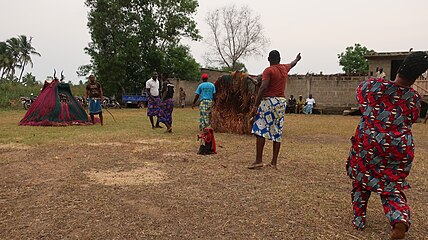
{"x": 206, "y": 93}
{"x": 182, "y": 101}
{"x": 309, "y": 104}
{"x": 300, "y": 104}
{"x": 291, "y": 106}
{"x": 382, "y": 148}
{"x": 167, "y": 106}
{"x": 94, "y": 93}
{"x": 269, "y": 108}
{"x": 154, "y": 101}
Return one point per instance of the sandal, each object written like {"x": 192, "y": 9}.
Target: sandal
{"x": 255, "y": 166}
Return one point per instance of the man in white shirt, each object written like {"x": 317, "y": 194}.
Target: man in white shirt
{"x": 309, "y": 105}
{"x": 154, "y": 101}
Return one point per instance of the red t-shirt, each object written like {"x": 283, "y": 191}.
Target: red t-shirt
{"x": 278, "y": 75}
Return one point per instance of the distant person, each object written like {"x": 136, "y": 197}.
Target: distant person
{"x": 167, "y": 106}
{"x": 182, "y": 98}
{"x": 206, "y": 94}
{"x": 94, "y": 94}
{"x": 382, "y": 149}
{"x": 380, "y": 73}
{"x": 154, "y": 100}
{"x": 300, "y": 104}
{"x": 291, "y": 106}
{"x": 309, "y": 104}
{"x": 269, "y": 108}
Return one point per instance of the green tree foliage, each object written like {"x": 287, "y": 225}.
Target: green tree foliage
{"x": 84, "y": 70}
{"x": 353, "y": 60}
{"x": 29, "y": 80}
{"x": 130, "y": 39}
{"x": 16, "y": 53}
{"x": 26, "y": 49}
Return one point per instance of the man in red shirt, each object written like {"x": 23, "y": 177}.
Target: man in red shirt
{"x": 270, "y": 105}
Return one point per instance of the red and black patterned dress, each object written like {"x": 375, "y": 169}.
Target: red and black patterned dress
{"x": 382, "y": 149}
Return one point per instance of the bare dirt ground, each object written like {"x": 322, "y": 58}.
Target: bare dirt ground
{"x": 127, "y": 181}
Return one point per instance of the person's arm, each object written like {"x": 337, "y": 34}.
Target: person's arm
{"x": 163, "y": 95}
{"x": 87, "y": 92}
{"x": 148, "y": 91}
{"x": 294, "y": 62}
{"x": 265, "y": 81}
{"x": 194, "y": 101}
{"x": 197, "y": 92}
{"x": 262, "y": 90}
{"x": 214, "y": 93}
{"x": 101, "y": 92}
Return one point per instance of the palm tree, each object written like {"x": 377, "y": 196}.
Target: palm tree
{"x": 4, "y": 59}
{"x": 13, "y": 51}
{"x": 26, "y": 50}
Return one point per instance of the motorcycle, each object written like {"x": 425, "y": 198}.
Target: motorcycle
{"x": 83, "y": 101}
{"x": 111, "y": 103}
{"x": 27, "y": 101}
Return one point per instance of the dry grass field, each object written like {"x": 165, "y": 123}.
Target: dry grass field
{"x": 127, "y": 181}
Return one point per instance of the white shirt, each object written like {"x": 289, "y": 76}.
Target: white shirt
{"x": 153, "y": 86}
{"x": 380, "y": 75}
{"x": 310, "y": 101}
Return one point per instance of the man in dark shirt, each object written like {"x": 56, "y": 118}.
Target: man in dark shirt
{"x": 94, "y": 93}
{"x": 167, "y": 106}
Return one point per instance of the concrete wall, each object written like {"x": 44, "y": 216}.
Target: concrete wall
{"x": 332, "y": 92}
{"x": 335, "y": 93}
{"x": 191, "y": 86}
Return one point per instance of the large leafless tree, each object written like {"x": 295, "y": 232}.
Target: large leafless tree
{"x": 236, "y": 33}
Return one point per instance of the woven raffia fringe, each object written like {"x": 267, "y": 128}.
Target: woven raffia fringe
{"x": 236, "y": 94}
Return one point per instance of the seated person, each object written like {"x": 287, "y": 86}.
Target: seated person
{"x": 300, "y": 104}
{"x": 291, "y": 104}
{"x": 309, "y": 105}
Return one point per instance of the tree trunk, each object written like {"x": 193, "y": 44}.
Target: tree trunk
{"x": 20, "y": 75}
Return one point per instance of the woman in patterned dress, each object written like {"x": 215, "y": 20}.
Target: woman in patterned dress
{"x": 382, "y": 149}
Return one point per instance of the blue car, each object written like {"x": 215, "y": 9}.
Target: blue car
{"x": 135, "y": 100}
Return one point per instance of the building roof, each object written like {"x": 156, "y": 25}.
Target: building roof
{"x": 388, "y": 54}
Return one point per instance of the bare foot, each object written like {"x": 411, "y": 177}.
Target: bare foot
{"x": 399, "y": 231}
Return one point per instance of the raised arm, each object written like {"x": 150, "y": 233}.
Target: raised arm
{"x": 294, "y": 62}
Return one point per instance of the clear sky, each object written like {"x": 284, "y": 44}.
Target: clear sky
{"x": 318, "y": 29}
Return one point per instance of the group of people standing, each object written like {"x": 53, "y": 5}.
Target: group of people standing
{"x": 382, "y": 148}
{"x": 300, "y": 105}
{"x": 161, "y": 102}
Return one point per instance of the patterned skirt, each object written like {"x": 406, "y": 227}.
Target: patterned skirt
{"x": 165, "y": 115}
{"x": 269, "y": 120}
{"x": 153, "y": 108}
{"x": 204, "y": 111}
